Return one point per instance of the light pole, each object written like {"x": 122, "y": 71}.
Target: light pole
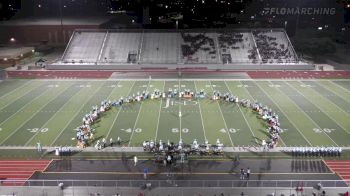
{"x": 61, "y": 15}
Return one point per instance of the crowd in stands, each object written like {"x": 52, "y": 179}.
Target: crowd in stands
{"x": 229, "y": 40}
{"x": 194, "y": 43}
{"x": 236, "y": 41}
{"x": 271, "y": 50}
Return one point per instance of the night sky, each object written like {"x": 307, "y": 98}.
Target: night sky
{"x": 201, "y": 13}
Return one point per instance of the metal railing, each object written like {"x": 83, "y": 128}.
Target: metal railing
{"x": 293, "y": 184}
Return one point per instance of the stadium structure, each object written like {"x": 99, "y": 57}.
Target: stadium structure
{"x": 239, "y": 49}
{"x": 213, "y": 92}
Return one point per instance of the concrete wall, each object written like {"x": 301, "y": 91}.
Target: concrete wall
{"x": 58, "y": 66}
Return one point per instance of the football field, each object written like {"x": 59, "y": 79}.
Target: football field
{"x": 311, "y": 112}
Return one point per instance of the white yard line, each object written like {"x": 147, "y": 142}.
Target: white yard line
{"x": 222, "y": 115}
{"x": 120, "y": 109}
{"x": 13, "y": 90}
{"x": 43, "y": 126}
{"x": 335, "y": 105}
{"x": 76, "y": 113}
{"x": 23, "y": 123}
{"x": 296, "y": 127}
{"x": 137, "y": 118}
{"x": 322, "y": 109}
{"x": 160, "y": 108}
{"x": 200, "y": 112}
{"x": 330, "y": 89}
{"x": 180, "y": 117}
{"x": 340, "y": 86}
{"x": 253, "y": 99}
{"x": 250, "y": 128}
{"x": 23, "y": 105}
{"x": 305, "y": 114}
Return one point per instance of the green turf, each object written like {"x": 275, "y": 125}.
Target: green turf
{"x": 312, "y": 113}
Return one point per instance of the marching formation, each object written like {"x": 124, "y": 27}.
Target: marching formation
{"x": 181, "y": 147}
{"x": 85, "y": 132}
{"x": 316, "y": 151}
{"x": 264, "y": 113}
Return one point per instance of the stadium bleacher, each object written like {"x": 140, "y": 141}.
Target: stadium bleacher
{"x": 274, "y": 47}
{"x": 199, "y": 48}
{"x": 235, "y": 49}
{"x": 119, "y": 46}
{"x": 160, "y": 47}
{"x": 84, "y": 47}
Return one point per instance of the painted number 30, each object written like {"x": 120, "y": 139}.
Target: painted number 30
{"x": 324, "y": 130}
{"x": 37, "y": 130}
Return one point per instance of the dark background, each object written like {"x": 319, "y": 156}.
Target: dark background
{"x": 332, "y": 43}
{"x": 189, "y": 13}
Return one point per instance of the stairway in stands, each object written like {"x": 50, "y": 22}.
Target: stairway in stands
{"x": 17, "y": 172}
{"x": 341, "y": 167}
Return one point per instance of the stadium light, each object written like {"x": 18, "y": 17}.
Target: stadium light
{"x": 12, "y": 39}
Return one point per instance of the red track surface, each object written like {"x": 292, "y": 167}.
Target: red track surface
{"x": 20, "y": 170}
{"x": 106, "y": 74}
{"x": 341, "y": 167}
{"x": 298, "y": 74}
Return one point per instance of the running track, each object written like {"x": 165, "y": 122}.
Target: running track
{"x": 20, "y": 170}
{"x": 341, "y": 167}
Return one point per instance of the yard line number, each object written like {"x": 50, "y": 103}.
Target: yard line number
{"x": 176, "y": 130}
{"x": 84, "y": 86}
{"x": 38, "y": 130}
{"x": 113, "y": 86}
{"x": 274, "y": 85}
{"x": 243, "y": 86}
{"x": 130, "y": 130}
{"x": 231, "y": 130}
{"x": 324, "y": 130}
{"x": 53, "y": 85}
{"x": 306, "y": 85}
{"x": 177, "y": 86}
{"x": 211, "y": 86}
